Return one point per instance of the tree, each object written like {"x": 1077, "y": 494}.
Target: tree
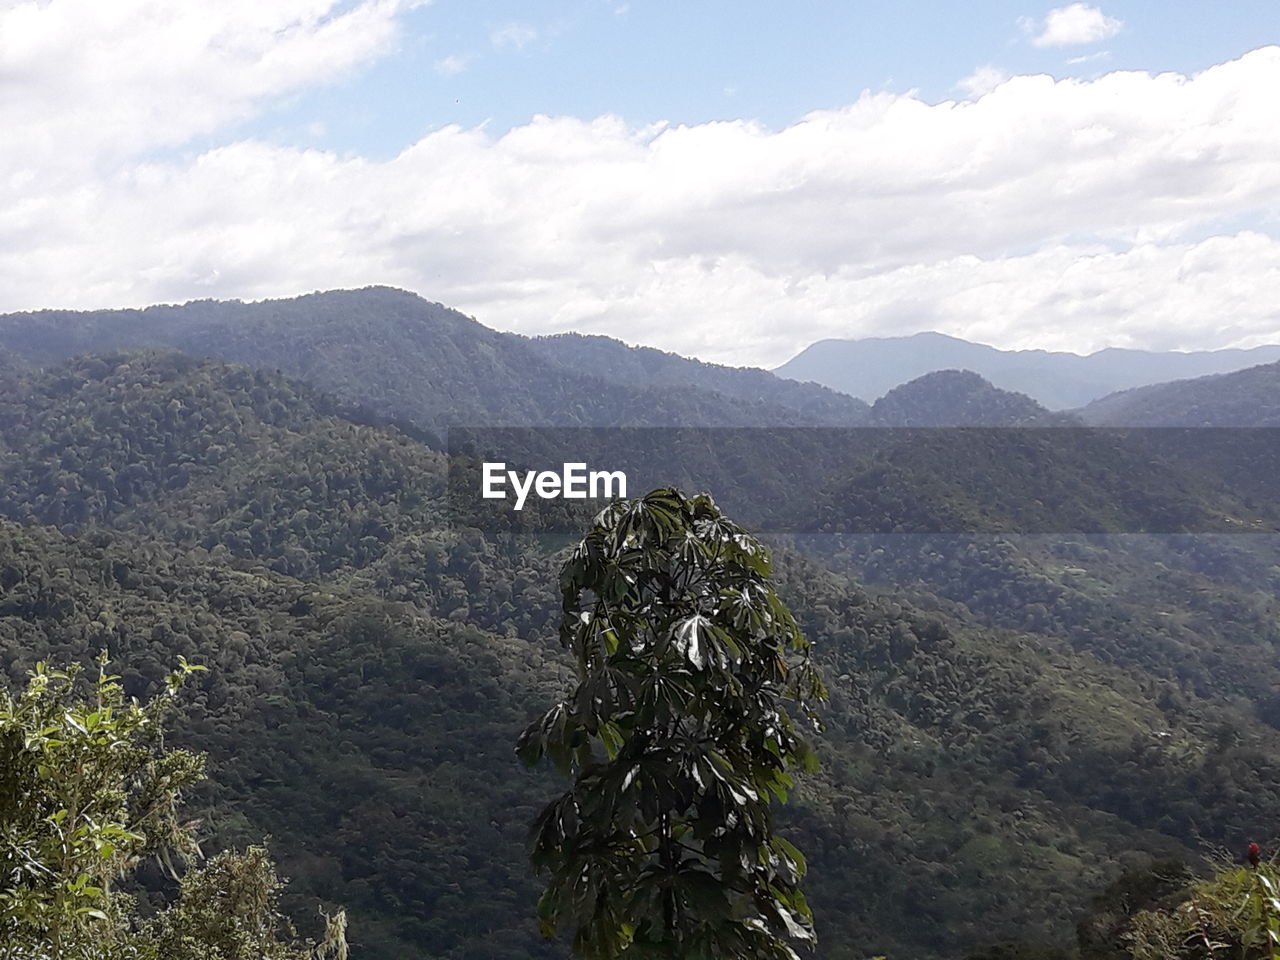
{"x": 678, "y": 737}
{"x": 87, "y": 790}
{"x": 228, "y": 910}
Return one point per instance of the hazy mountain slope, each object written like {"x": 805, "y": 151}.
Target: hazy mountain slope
{"x": 871, "y": 367}
{"x": 213, "y": 444}
{"x": 986, "y": 762}
{"x": 10, "y": 362}
{"x": 168, "y": 443}
{"x": 406, "y": 358}
{"x": 958, "y": 398}
{"x": 1230, "y": 423}
{"x": 646, "y": 366}
{"x": 1246, "y": 398}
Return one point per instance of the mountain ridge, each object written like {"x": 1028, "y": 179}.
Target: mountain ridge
{"x": 663, "y": 368}
{"x": 1241, "y": 398}
{"x": 868, "y": 368}
{"x": 373, "y": 345}
{"x": 411, "y": 359}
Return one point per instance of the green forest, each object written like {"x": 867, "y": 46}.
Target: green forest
{"x": 1032, "y": 745}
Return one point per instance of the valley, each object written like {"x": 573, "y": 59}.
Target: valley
{"x": 1028, "y": 695}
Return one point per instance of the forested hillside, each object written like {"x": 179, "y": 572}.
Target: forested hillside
{"x": 409, "y": 359}
{"x": 618, "y": 363}
{"x": 959, "y": 398}
{"x": 1247, "y": 398}
{"x": 1011, "y": 719}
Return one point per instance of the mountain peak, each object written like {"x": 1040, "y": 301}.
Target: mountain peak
{"x": 955, "y": 398}
{"x": 1059, "y": 381}
{"x": 411, "y": 360}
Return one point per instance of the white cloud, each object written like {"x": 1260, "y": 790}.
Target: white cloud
{"x": 1089, "y": 57}
{"x": 88, "y": 82}
{"x": 982, "y": 81}
{"x": 513, "y": 34}
{"x": 1065, "y": 213}
{"x": 451, "y": 65}
{"x": 1074, "y": 24}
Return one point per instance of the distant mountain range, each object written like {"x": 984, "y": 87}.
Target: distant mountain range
{"x": 410, "y": 359}
{"x": 871, "y": 367}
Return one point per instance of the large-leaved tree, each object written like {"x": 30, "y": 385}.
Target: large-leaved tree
{"x": 678, "y": 736}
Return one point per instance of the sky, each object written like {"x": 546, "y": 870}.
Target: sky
{"x": 727, "y": 180}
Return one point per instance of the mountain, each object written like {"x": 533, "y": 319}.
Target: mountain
{"x": 1246, "y": 398}
{"x": 913, "y": 471}
{"x": 1229, "y": 426}
{"x": 407, "y": 359}
{"x": 958, "y": 398}
{"x": 1004, "y": 471}
{"x": 618, "y": 362}
{"x": 10, "y": 362}
{"x": 1010, "y": 717}
{"x": 870, "y": 367}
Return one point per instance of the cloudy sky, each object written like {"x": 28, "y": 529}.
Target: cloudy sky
{"x": 731, "y": 179}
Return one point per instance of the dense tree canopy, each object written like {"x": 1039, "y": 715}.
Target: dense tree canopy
{"x": 1010, "y": 718}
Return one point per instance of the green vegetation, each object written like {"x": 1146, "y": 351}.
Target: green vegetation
{"x": 87, "y": 791}
{"x": 1011, "y": 719}
{"x": 1236, "y": 913}
{"x": 615, "y": 362}
{"x": 677, "y": 736}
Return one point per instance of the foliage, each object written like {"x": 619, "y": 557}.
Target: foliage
{"x": 1103, "y": 933}
{"x": 616, "y": 362}
{"x": 228, "y": 910}
{"x": 1019, "y": 951}
{"x": 88, "y": 789}
{"x": 1010, "y": 718}
{"x": 1243, "y": 398}
{"x": 1235, "y": 914}
{"x": 678, "y": 737}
